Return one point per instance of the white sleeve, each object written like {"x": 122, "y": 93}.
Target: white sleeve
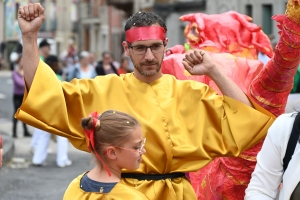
{"x": 268, "y": 172}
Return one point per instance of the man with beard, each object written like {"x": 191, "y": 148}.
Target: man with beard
{"x": 186, "y": 123}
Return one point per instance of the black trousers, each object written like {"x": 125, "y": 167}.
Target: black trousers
{"x": 17, "y": 100}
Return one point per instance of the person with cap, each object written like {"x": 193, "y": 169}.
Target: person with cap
{"x": 186, "y": 123}
{"x": 41, "y": 139}
{"x": 44, "y": 52}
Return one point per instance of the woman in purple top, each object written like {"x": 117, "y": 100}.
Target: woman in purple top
{"x": 19, "y": 86}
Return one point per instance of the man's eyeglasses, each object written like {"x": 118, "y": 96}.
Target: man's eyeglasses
{"x": 139, "y": 149}
{"x": 142, "y": 49}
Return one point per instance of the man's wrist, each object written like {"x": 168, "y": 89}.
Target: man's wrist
{"x": 214, "y": 72}
{"x": 29, "y": 37}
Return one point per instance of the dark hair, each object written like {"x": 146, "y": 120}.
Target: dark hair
{"x": 107, "y": 52}
{"x": 141, "y": 19}
{"x": 51, "y": 60}
{"x": 43, "y": 43}
{"x": 18, "y": 48}
{"x": 113, "y": 129}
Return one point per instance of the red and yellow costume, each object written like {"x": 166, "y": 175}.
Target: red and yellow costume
{"x": 233, "y": 43}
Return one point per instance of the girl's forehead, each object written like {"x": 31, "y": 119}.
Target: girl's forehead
{"x": 136, "y": 134}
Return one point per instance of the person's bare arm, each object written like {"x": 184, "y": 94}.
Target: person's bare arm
{"x": 30, "y": 19}
{"x": 198, "y": 62}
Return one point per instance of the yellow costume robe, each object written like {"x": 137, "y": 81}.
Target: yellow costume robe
{"x": 119, "y": 192}
{"x": 185, "y": 122}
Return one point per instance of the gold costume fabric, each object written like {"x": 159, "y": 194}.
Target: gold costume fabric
{"x": 185, "y": 122}
{"x": 119, "y": 192}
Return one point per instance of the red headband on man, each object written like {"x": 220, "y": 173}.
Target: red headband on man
{"x": 90, "y": 135}
{"x": 145, "y": 33}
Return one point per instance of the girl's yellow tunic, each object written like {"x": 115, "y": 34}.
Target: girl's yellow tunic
{"x": 185, "y": 122}
{"x": 119, "y": 192}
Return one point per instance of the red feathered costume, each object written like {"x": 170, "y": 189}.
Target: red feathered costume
{"x": 234, "y": 43}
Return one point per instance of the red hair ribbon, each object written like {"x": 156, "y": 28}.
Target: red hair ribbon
{"x": 145, "y": 33}
{"x": 90, "y": 135}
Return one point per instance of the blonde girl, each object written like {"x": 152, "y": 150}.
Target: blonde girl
{"x": 116, "y": 141}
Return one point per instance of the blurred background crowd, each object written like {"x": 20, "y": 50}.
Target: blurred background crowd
{"x": 96, "y": 26}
